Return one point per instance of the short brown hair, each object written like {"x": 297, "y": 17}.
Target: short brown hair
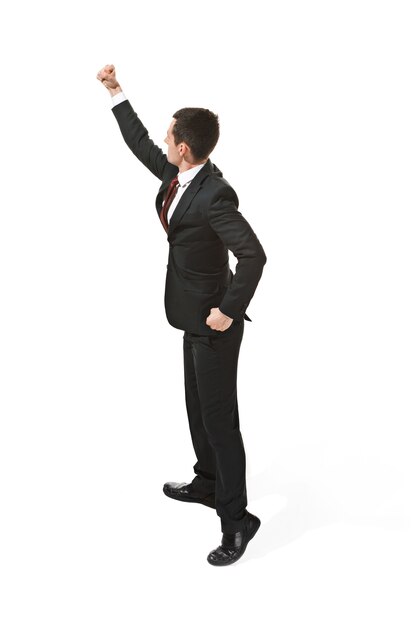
{"x": 198, "y": 128}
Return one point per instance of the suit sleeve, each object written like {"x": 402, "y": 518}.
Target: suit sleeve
{"x": 237, "y": 235}
{"x": 137, "y": 138}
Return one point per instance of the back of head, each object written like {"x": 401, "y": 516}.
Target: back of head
{"x": 198, "y": 128}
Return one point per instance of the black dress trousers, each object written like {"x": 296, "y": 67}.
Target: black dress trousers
{"x": 210, "y": 376}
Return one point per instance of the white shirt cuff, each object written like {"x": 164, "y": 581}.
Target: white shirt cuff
{"x": 117, "y": 99}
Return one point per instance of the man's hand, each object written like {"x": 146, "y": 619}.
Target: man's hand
{"x": 218, "y": 320}
{"x": 107, "y": 76}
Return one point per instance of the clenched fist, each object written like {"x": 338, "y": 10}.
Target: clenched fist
{"x": 107, "y": 76}
{"x": 218, "y": 320}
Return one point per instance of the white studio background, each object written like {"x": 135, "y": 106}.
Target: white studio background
{"x": 317, "y": 105}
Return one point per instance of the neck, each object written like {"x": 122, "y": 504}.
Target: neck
{"x": 184, "y": 165}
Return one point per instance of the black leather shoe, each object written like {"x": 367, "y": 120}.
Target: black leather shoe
{"x": 186, "y": 493}
{"x": 233, "y": 545}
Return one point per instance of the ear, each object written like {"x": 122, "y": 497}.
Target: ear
{"x": 184, "y": 148}
{"x": 186, "y": 153}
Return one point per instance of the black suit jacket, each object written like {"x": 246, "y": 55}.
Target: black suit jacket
{"x": 205, "y": 224}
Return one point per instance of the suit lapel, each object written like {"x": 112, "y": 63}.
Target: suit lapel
{"x": 188, "y": 195}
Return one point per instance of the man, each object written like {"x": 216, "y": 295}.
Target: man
{"x": 198, "y": 210}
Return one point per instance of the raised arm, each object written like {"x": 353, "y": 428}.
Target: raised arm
{"x": 134, "y": 132}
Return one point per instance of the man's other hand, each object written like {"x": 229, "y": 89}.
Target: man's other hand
{"x": 218, "y": 320}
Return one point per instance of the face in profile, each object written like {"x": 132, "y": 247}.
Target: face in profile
{"x": 174, "y": 155}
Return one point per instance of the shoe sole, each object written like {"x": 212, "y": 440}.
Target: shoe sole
{"x": 257, "y": 525}
{"x": 185, "y": 499}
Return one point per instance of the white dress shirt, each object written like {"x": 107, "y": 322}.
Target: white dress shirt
{"x": 184, "y": 178}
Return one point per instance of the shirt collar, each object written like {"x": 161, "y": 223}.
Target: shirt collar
{"x": 188, "y": 175}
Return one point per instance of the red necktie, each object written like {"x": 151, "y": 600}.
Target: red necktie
{"x": 172, "y": 190}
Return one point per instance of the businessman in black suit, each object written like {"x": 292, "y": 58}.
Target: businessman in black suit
{"x": 198, "y": 210}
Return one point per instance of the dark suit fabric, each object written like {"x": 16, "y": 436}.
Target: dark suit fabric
{"x": 210, "y": 374}
{"x": 205, "y": 224}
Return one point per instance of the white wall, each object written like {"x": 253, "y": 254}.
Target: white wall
{"x": 317, "y": 105}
